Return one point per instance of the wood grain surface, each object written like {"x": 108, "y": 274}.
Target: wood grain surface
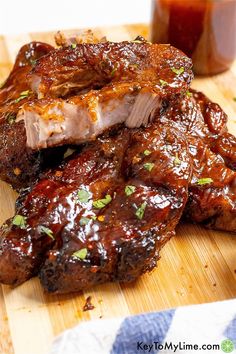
{"x": 197, "y": 265}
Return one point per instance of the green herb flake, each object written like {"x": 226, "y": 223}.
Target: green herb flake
{"x": 129, "y": 190}
{"x": 22, "y": 96}
{"x": 163, "y": 82}
{"x": 203, "y": 181}
{"x": 234, "y": 99}
{"x": 33, "y": 62}
{"x": 189, "y": 94}
{"x": 178, "y": 71}
{"x": 11, "y": 118}
{"x": 83, "y": 196}
{"x": 19, "y": 221}
{"x": 84, "y": 221}
{"x": 147, "y": 152}
{"x": 113, "y": 71}
{"x": 68, "y": 153}
{"x": 73, "y": 45}
{"x": 93, "y": 217}
{"x": 47, "y": 231}
{"x": 140, "y": 211}
{"x": 81, "y": 254}
{"x": 177, "y": 161}
{"x": 148, "y": 166}
{"x": 101, "y": 203}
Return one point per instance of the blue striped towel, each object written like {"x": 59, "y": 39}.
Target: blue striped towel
{"x": 207, "y": 328}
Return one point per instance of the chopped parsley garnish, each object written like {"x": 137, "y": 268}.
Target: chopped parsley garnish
{"x": 147, "y": 152}
{"x": 93, "y": 217}
{"x": 81, "y": 254}
{"x": 101, "y": 203}
{"x": 234, "y": 99}
{"x": 140, "y": 211}
{"x": 177, "y": 161}
{"x": 163, "y": 83}
{"x": 129, "y": 190}
{"x": 148, "y": 166}
{"x": 73, "y": 45}
{"x": 68, "y": 152}
{"x": 84, "y": 221}
{"x": 83, "y": 196}
{"x": 47, "y": 231}
{"x": 203, "y": 181}
{"x": 178, "y": 71}
{"x": 33, "y": 62}
{"x": 113, "y": 71}
{"x": 19, "y": 221}
{"x": 189, "y": 94}
{"x": 11, "y": 117}
{"x": 23, "y": 95}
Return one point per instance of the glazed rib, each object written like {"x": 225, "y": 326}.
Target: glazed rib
{"x": 212, "y": 191}
{"x": 122, "y": 237}
{"x": 19, "y": 165}
{"x": 91, "y": 66}
{"x": 138, "y": 80}
{"x": 135, "y": 90}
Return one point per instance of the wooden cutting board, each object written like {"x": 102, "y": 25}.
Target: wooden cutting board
{"x": 197, "y": 265}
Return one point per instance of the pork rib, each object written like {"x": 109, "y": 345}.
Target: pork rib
{"x": 212, "y": 191}
{"x": 19, "y": 165}
{"x": 91, "y": 66}
{"x": 54, "y": 122}
{"x": 117, "y": 202}
{"x": 138, "y": 80}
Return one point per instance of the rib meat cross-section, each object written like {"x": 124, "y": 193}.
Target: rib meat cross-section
{"x": 19, "y": 165}
{"x": 108, "y": 83}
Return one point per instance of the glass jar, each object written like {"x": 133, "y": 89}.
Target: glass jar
{"x": 205, "y": 30}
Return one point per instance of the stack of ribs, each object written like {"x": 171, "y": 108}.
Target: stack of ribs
{"x": 109, "y": 148}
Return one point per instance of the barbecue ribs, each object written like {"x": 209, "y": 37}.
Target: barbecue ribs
{"x": 153, "y": 152}
{"x": 134, "y": 91}
{"x": 103, "y": 215}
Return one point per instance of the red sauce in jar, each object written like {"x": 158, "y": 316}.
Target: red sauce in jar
{"x": 205, "y": 30}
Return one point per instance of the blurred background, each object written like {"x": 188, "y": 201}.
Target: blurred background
{"x": 18, "y": 16}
